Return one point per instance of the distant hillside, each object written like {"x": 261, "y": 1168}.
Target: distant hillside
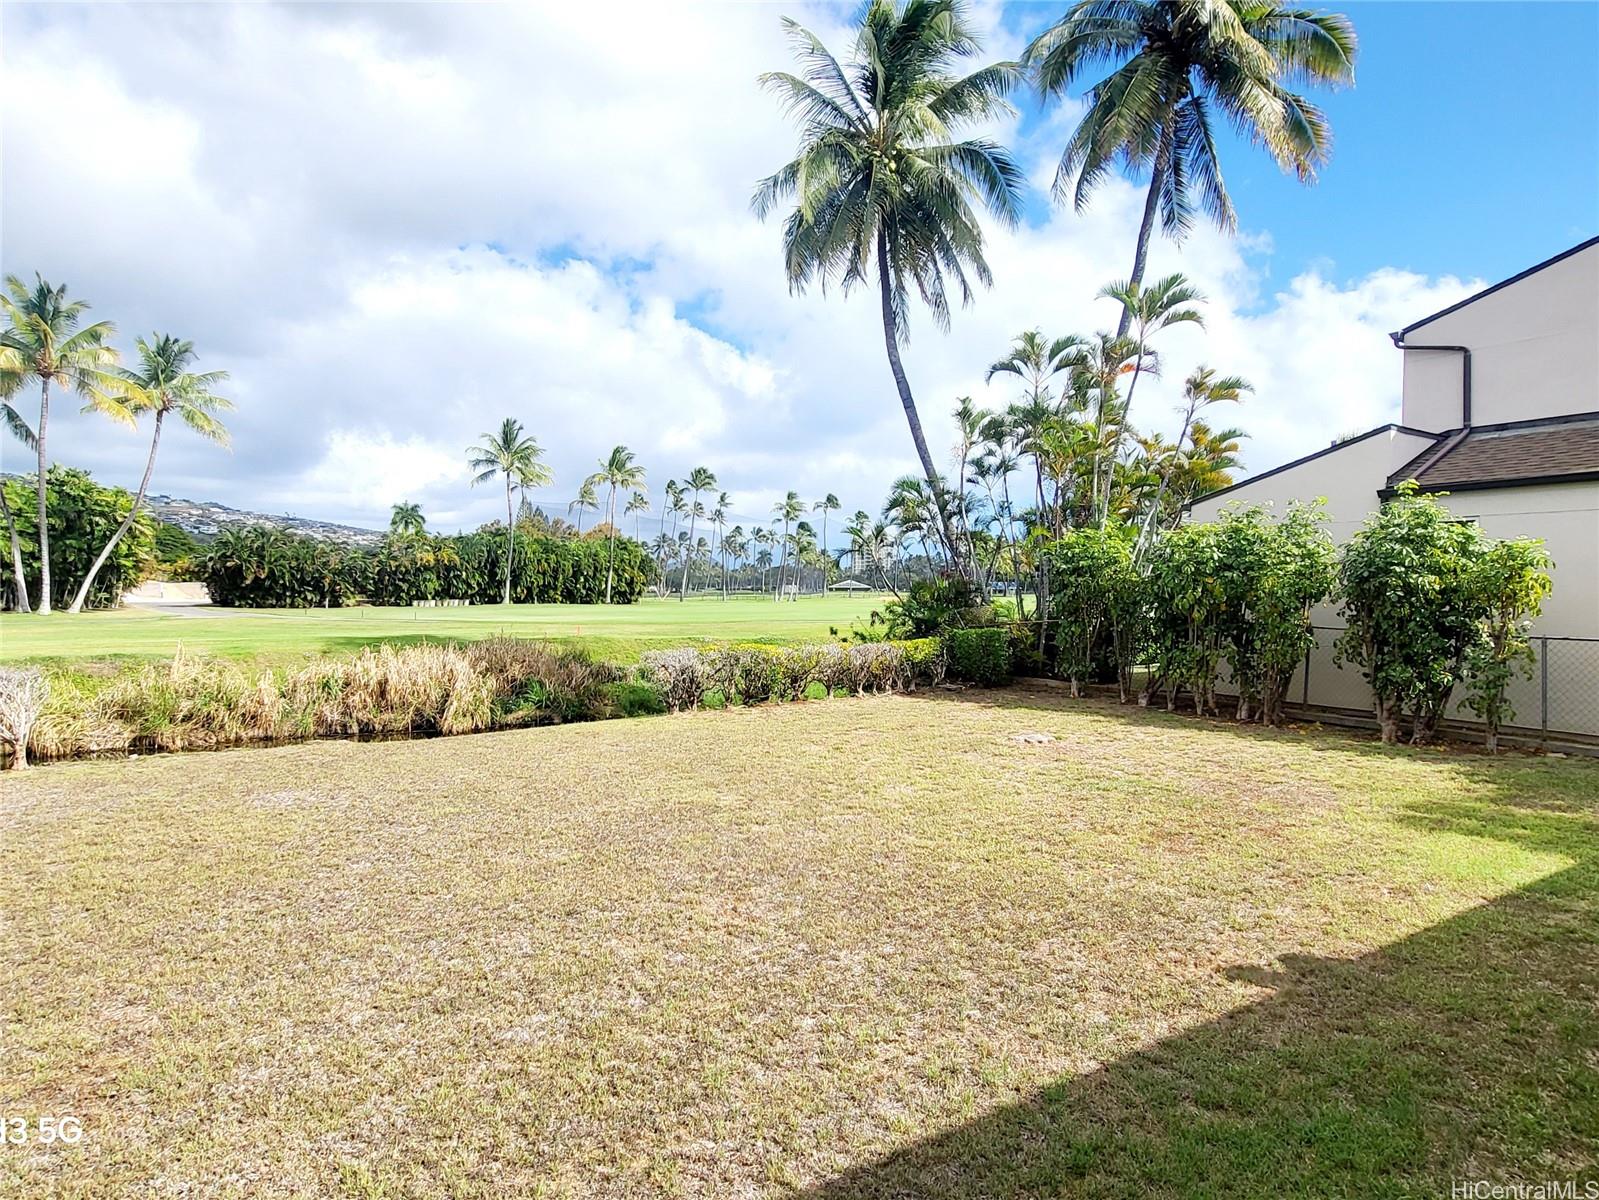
{"x": 204, "y": 519}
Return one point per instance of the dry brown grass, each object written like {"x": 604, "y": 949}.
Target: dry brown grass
{"x": 736, "y": 953}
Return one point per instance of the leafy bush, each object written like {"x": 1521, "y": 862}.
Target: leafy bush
{"x": 1511, "y": 580}
{"x": 634, "y": 698}
{"x": 1090, "y": 568}
{"x": 1412, "y": 608}
{"x": 980, "y": 656}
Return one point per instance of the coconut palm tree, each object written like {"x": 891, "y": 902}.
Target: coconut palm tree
{"x": 827, "y": 504}
{"x": 42, "y": 344}
{"x": 586, "y": 500}
{"x": 669, "y": 503}
{"x": 1177, "y": 63}
{"x": 617, "y": 470}
{"x": 788, "y": 510}
{"x": 638, "y": 504}
{"x": 719, "y": 519}
{"x": 518, "y": 459}
{"x": 883, "y": 192}
{"x": 700, "y": 479}
{"x": 734, "y": 545}
{"x": 763, "y": 560}
{"x": 1201, "y": 389}
{"x": 162, "y": 385}
{"x": 407, "y": 518}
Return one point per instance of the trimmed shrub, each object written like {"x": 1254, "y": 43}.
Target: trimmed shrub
{"x": 980, "y": 656}
{"x": 634, "y": 698}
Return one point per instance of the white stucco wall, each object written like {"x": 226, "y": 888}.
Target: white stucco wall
{"x": 1348, "y": 478}
{"x": 1535, "y": 351}
{"x": 1566, "y": 517}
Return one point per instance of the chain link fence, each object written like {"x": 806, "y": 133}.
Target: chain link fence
{"x": 1559, "y": 697}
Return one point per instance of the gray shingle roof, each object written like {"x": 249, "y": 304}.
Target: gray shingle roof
{"x": 1509, "y": 454}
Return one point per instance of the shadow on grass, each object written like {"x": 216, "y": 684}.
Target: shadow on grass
{"x": 1467, "y": 1050}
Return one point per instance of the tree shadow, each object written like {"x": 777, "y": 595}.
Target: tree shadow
{"x": 1467, "y": 1050}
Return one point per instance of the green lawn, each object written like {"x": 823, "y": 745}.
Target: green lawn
{"x": 843, "y": 949}
{"x": 620, "y": 632}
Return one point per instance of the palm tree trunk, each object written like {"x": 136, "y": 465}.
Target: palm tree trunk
{"x": 510, "y": 539}
{"x": 782, "y": 565}
{"x": 688, "y": 556}
{"x": 912, "y": 418}
{"x": 610, "y": 550}
{"x": 127, "y": 521}
{"x": 16, "y": 552}
{"x": 44, "y": 520}
{"x": 1121, "y": 427}
{"x": 1157, "y": 176}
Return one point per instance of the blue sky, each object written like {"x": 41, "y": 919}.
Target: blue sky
{"x": 396, "y": 224}
{"x": 1469, "y": 145}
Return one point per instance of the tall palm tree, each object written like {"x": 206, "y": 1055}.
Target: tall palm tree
{"x": 1175, "y": 63}
{"x": 669, "y": 502}
{"x": 1200, "y": 390}
{"x": 516, "y": 457}
{"x": 42, "y": 344}
{"x": 638, "y": 504}
{"x": 788, "y": 510}
{"x": 162, "y": 384}
{"x": 585, "y": 501}
{"x": 617, "y": 470}
{"x": 734, "y": 546}
{"x": 700, "y": 479}
{"x": 1035, "y": 360}
{"x": 881, "y": 188}
{"x": 719, "y": 519}
{"x": 407, "y": 518}
{"x": 827, "y": 504}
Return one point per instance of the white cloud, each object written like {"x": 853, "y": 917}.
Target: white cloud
{"x": 397, "y": 224}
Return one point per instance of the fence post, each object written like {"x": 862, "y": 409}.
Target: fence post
{"x": 1543, "y": 688}
{"x": 1304, "y": 697}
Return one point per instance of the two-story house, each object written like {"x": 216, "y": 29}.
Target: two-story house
{"x": 1501, "y": 412}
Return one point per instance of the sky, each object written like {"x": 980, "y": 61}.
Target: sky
{"x": 394, "y": 225}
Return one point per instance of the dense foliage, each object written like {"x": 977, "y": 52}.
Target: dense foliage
{"x": 981, "y": 656}
{"x": 1429, "y": 599}
{"x": 82, "y": 516}
{"x": 267, "y": 568}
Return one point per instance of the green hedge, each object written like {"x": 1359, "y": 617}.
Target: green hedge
{"x": 268, "y": 568}
{"x": 980, "y": 656}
